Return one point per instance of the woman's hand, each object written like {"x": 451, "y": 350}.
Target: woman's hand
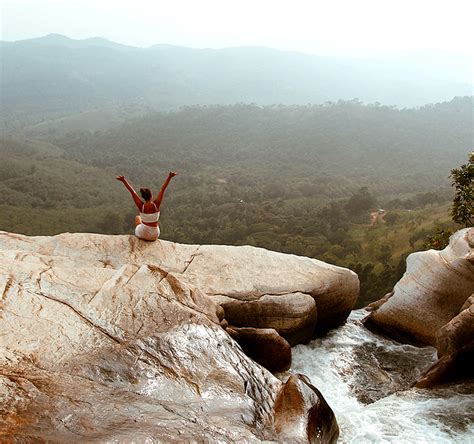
{"x": 121, "y": 178}
{"x": 172, "y": 174}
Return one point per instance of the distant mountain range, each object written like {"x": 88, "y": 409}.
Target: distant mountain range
{"x": 53, "y": 76}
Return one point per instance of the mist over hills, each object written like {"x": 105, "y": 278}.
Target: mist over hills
{"x": 53, "y": 76}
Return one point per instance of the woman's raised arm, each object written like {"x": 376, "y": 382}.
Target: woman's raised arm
{"x": 159, "y": 198}
{"x": 136, "y": 198}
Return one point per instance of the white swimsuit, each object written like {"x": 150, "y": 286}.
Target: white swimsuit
{"x": 145, "y": 231}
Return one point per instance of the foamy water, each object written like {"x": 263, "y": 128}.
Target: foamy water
{"x": 366, "y": 380}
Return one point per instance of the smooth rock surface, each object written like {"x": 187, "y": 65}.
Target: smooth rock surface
{"x": 250, "y": 274}
{"x": 104, "y": 338}
{"x": 247, "y": 274}
{"x": 265, "y": 346}
{"x": 293, "y": 315}
{"x": 430, "y": 293}
{"x": 300, "y": 408}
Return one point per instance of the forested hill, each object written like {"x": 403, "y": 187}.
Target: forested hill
{"x": 244, "y": 152}
{"x": 54, "y": 76}
{"x": 325, "y": 151}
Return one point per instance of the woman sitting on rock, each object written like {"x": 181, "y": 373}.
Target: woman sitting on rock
{"x": 146, "y": 224}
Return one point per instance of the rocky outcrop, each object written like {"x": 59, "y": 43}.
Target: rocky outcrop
{"x": 433, "y": 304}
{"x": 258, "y": 288}
{"x": 263, "y": 278}
{"x": 108, "y": 338}
{"x": 431, "y": 292}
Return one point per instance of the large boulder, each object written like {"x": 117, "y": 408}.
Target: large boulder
{"x": 104, "y": 339}
{"x": 431, "y": 292}
{"x": 258, "y": 288}
{"x": 262, "y": 279}
{"x": 433, "y": 304}
{"x": 300, "y": 408}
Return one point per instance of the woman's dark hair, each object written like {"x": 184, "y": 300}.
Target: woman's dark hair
{"x": 146, "y": 193}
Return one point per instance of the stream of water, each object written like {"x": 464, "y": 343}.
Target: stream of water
{"x": 366, "y": 379}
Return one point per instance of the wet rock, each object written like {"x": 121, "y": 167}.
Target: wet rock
{"x": 265, "y": 346}
{"x": 455, "y": 344}
{"x": 433, "y": 304}
{"x": 84, "y": 350}
{"x": 430, "y": 293}
{"x": 302, "y": 415}
{"x": 453, "y": 367}
{"x": 468, "y": 303}
{"x": 220, "y": 312}
{"x": 378, "y": 371}
{"x": 103, "y": 339}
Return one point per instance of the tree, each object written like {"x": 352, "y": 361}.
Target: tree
{"x": 462, "y": 210}
{"x": 439, "y": 239}
{"x": 391, "y": 218}
{"x": 360, "y": 202}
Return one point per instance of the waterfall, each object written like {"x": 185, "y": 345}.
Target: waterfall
{"x": 366, "y": 379}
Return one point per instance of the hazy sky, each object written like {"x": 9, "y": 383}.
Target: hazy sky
{"x": 332, "y": 27}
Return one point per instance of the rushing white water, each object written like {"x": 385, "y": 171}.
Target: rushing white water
{"x": 366, "y": 380}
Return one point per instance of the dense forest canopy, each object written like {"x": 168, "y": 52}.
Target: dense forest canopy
{"x": 297, "y": 179}
{"x": 258, "y": 153}
{"x": 327, "y": 151}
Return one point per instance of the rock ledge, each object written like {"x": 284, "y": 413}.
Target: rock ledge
{"x": 108, "y": 338}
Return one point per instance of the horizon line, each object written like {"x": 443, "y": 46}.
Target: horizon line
{"x": 364, "y": 53}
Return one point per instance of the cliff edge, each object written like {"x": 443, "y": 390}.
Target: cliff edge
{"x": 112, "y": 338}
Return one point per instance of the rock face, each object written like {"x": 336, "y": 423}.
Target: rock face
{"x": 256, "y": 287}
{"x": 433, "y": 304}
{"x": 431, "y": 292}
{"x": 458, "y": 332}
{"x": 108, "y": 338}
{"x": 293, "y": 315}
{"x": 250, "y": 282}
{"x": 455, "y": 344}
{"x": 449, "y": 368}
